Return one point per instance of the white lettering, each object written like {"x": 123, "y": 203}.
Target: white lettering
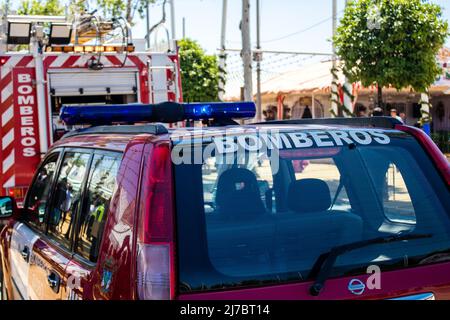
{"x": 26, "y": 111}
{"x": 249, "y": 142}
{"x": 25, "y": 100}
{"x": 300, "y": 139}
{"x": 374, "y": 281}
{"x": 380, "y": 137}
{"x": 365, "y": 139}
{"x": 26, "y": 121}
{"x": 28, "y": 141}
{"x": 340, "y": 136}
{"x": 27, "y": 131}
{"x": 29, "y": 152}
{"x": 24, "y": 78}
{"x": 225, "y": 145}
{"x": 319, "y": 137}
{"x": 25, "y": 89}
{"x": 272, "y": 141}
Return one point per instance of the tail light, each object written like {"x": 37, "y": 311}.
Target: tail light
{"x": 153, "y": 277}
{"x": 156, "y": 255}
{"x": 437, "y": 156}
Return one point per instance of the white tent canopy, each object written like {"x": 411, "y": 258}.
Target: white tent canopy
{"x": 308, "y": 78}
{"x": 311, "y": 77}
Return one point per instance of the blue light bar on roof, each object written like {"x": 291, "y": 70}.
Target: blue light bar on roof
{"x": 219, "y": 110}
{"x": 166, "y": 112}
{"x": 105, "y": 114}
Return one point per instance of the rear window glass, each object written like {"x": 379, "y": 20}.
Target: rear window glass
{"x": 253, "y": 213}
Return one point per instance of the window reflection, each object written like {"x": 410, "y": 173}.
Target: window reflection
{"x": 93, "y": 216}
{"x": 67, "y": 197}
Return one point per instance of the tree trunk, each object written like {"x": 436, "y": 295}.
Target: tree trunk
{"x": 380, "y": 97}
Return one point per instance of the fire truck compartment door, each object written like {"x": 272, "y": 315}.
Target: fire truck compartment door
{"x": 90, "y": 82}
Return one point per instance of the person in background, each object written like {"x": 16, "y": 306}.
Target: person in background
{"x": 66, "y": 205}
{"x": 361, "y": 111}
{"x": 270, "y": 113}
{"x": 403, "y": 116}
{"x": 394, "y": 114}
{"x": 307, "y": 114}
{"x": 377, "y": 112}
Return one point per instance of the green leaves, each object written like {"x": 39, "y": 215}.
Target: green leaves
{"x": 126, "y": 9}
{"x": 36, "y": 7}
{"x": 113, "y": 8}
{"x": 199, "y": 73}
{"x": 391, "y": 42}
{"x": 108, "y": 8}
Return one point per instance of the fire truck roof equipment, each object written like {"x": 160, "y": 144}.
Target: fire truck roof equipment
{"x": 90, "y": 33}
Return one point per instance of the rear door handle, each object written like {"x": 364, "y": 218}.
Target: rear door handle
{"x": 54, "y": 281}
{"x": 25, "y": 253}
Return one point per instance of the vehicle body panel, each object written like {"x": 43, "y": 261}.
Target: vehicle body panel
{"x": 101, "y": 142}
{"x": 114, "y": 275}
{"x": 22, "y": 243}
{"x": 433, "y": 278}
{"x": 47, "y": 260}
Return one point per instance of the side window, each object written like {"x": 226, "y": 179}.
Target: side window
{"x": 396, "y": 200}
{"x": 100, "y": 188}
{"x": 66, "y": 198}
{"x": 38, "y": 194}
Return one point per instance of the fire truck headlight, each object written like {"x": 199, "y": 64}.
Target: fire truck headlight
{"x": 19, "y": 33}
{"x": 60, "y": 33}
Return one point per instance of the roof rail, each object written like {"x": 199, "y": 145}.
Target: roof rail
{"x": 373, "y": 122}
{"x": 155, "y": 129}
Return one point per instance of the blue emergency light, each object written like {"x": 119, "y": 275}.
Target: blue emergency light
{"x": 166, "y": 112}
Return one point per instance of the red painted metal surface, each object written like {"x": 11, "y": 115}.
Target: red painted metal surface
{"x": 432, "y": 150}
{"x": 117, "y": 250}
{"x": 27, "y": 152}
{"x": 433, "y": 278}
{"x": 118, "y": 247}
{"x": 115, "y": 142}
{"x": 46, "y": 258}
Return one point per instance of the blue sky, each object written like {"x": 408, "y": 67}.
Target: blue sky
{"x": 279, "y": 18}
{"x": 287, "y": 25}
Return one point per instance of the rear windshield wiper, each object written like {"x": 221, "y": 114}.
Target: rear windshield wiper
{"x": 326, "y": 261}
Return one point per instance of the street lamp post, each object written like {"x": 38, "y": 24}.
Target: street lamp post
{"x": 246, "y": 51}
{"x": 258, "y": 58}
{"x": 334, "y": 92}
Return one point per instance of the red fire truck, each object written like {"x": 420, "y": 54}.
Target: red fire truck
{"x": 88, "y": 69}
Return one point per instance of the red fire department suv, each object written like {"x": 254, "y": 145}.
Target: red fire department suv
{"x": 299, "y": 209}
